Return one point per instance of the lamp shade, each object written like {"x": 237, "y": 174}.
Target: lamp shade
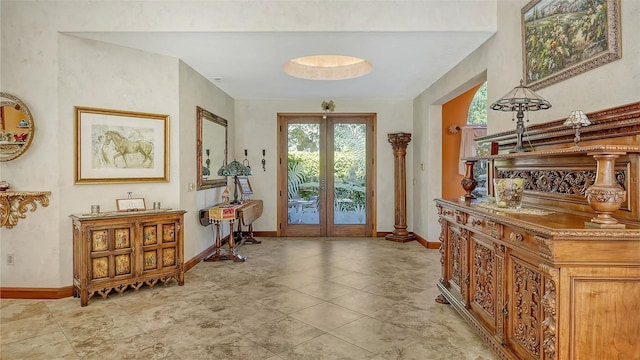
{"x": 519, "y": 99}
{"x": 234, "y": 168}
{"x": 577, "y": 118}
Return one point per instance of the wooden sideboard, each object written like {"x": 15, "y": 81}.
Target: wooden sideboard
{"x": 118, "y": 250}
{"x": 542, "y": 282}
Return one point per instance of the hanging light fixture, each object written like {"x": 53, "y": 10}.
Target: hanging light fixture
{"x": 327, "y": 106}
{"x": 519, "y": 100}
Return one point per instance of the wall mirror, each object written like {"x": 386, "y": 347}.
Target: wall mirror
{"x": 211, "y": 149}
{"x": 16, "y": 127}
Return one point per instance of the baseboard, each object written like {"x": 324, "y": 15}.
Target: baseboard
{"x": 67, "y": 291}
{"x": 426, "y": 243}
{"x": 196, "y": 260}
{"x": 36, "y": 293}
{"x": 383, "y": 233}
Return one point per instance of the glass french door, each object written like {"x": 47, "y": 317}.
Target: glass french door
{"x": 326, "y": 174}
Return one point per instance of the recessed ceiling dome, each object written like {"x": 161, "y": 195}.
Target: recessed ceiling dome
{"x": 327, "y": 67}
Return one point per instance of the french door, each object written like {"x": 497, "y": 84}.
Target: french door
{"x": 326, "y": 175}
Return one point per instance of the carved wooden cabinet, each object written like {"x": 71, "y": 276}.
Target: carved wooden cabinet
{"x": 542, "y": 286}
{"x": 543, "y": 282}
{"x": 117, "y": 250}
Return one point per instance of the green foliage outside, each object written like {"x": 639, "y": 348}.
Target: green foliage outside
{"x": 478, "y": 108}
{"x": 349, "y": 180}
{"x": 349, "y": 163}
{"x": 478, "y": 116}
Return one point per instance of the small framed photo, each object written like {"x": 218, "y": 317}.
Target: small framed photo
{"x": 136, "y": 204}
{"x": 245, "y": 186}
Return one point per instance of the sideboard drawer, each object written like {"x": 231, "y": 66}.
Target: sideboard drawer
{"x": 519, "y": 237}
{"x": 479, "y": 224}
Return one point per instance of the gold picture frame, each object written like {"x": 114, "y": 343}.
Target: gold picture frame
{"x": 559, "y": 42}
{"x": 115, "y": 146}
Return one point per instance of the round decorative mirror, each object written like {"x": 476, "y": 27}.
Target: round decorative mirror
{"x": 16, "y": 127}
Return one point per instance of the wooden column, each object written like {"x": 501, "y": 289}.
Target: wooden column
{"x": 399, "y": 142}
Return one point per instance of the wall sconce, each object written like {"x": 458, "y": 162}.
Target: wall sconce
{"x": 245, "y": 162}
{"x": 453, "y": 129}
{"x": 264, "y": 161}
{"x": 577, "y": 119}
{"x": 327, "y": 106}
{"x": 518, "y": 100}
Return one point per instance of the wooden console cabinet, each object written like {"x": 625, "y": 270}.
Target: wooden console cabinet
{"x": 118, "y": 250}
{"x": 541, "y": 283}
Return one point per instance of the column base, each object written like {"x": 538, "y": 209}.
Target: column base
{"x": 400, "y": 238}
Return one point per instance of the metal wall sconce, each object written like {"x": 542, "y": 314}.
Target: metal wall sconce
{"x": 264, "y": 161}
{"x": 245, "y": 162}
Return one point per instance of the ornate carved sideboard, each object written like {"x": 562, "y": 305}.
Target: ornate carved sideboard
{"x": 118, "y": 250}
{"x": 545, "y": 281}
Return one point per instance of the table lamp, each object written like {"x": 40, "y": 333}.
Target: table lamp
{"x": 518, "y": 100}
{"x": 234, "y": 169}
{"x": 576, "y": 120}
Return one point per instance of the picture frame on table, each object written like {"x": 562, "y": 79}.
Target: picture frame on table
{"x": 116, "y": 146}
{"x": 562, "y": 39}
{"x": 245, "y": 187}
{"x": 131, "y": 204}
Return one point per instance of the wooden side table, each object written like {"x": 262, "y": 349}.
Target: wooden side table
{"x": 218, "y": 215}
{"x": 247, "y": 213}
{"x": 231, "y": 254}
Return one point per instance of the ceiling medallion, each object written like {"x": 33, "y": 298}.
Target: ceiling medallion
{"x": 327, "y": 67}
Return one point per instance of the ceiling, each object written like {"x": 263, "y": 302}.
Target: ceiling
{"x": 248, "y": 65}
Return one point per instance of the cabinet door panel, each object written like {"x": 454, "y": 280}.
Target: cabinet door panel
{"x": 123, "y": 264}
{"x": 100, "y": 268}
{"x": 168, "y": 233}
{"x": 160, "y": 245}
{"x": 483, "y": 284}
{"x": 150, "y": 260}
{"x": 602, "y": 304}
{"x": 524, "y": 331}
{"x": 168, "y": 257}
{"x": 457, "y": 264}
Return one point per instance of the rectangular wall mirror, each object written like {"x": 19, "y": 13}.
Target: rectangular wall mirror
{"x": 211, "y": 149}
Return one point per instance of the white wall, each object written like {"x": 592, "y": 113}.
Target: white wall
{"x": 611, "y": 85}
{"x": 194, "y": 91}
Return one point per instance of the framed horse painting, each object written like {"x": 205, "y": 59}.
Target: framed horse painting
{"x": 114, "y": 146}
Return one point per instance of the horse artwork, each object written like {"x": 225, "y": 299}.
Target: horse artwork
{"x": 120, "y": 151}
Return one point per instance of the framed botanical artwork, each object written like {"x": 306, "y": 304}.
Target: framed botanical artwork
{"x": 562, "y": 39}
{"x": 113, "y": 146}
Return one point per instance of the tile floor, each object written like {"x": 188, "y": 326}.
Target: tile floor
{"x": 294, "y": 298}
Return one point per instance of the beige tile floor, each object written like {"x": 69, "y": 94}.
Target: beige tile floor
{"x": 294, "y": 298}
